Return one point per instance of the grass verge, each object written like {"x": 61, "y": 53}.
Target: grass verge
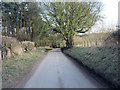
{"x": 15, "y": 68}
{"x": 102, "y": 60}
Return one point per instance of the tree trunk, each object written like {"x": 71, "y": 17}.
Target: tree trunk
{"x": 32, "y": 33}
{"x": 3, "y": 30}
{"x": 69, "y": 43}
{"x": 17, "y": 29}
{"x": 24, "y": 28}
{"x": 13, "y": 32}
{"x": 29, "y": 31}
{"x": 8, "y": 27}
{"x": 21, "y": 22}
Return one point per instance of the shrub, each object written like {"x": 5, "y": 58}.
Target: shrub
{"x": 10, "y": 46}
{"x": 28, "y": 46}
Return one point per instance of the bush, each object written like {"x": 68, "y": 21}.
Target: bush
{"x": 28, "y": 46}
{"x": 10, "y": 46}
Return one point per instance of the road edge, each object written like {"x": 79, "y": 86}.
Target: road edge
{"x": 29, "y": 73}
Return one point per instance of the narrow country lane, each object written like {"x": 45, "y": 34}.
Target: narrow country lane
{"x": 57, "y": 71}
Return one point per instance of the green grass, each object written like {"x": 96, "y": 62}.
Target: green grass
{"x": 103, "y": 60}
{"x": 14, "y": 68}
{"x": 45, "y": 48}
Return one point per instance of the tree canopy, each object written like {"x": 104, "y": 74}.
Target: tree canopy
{"x": 69, "y": 18}
{"x": 36, "y": 21}
{"x": 19, "y": 19}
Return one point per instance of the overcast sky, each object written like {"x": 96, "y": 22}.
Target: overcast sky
{"x": 111, "y": 12}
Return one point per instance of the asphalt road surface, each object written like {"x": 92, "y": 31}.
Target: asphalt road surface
{"x": 57, "y": 71}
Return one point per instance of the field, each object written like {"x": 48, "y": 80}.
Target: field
{"x": 14, "y": 68}
{"x": 96, "y": 39}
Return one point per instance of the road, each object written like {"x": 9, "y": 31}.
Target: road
{"x": 57, "y": 71}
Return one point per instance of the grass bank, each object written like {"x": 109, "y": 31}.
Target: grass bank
{"x": 15, "y": 68}
{"x": 102, "y": 60}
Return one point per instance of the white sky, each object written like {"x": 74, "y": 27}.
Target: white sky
{"x": 111, "y": 11}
